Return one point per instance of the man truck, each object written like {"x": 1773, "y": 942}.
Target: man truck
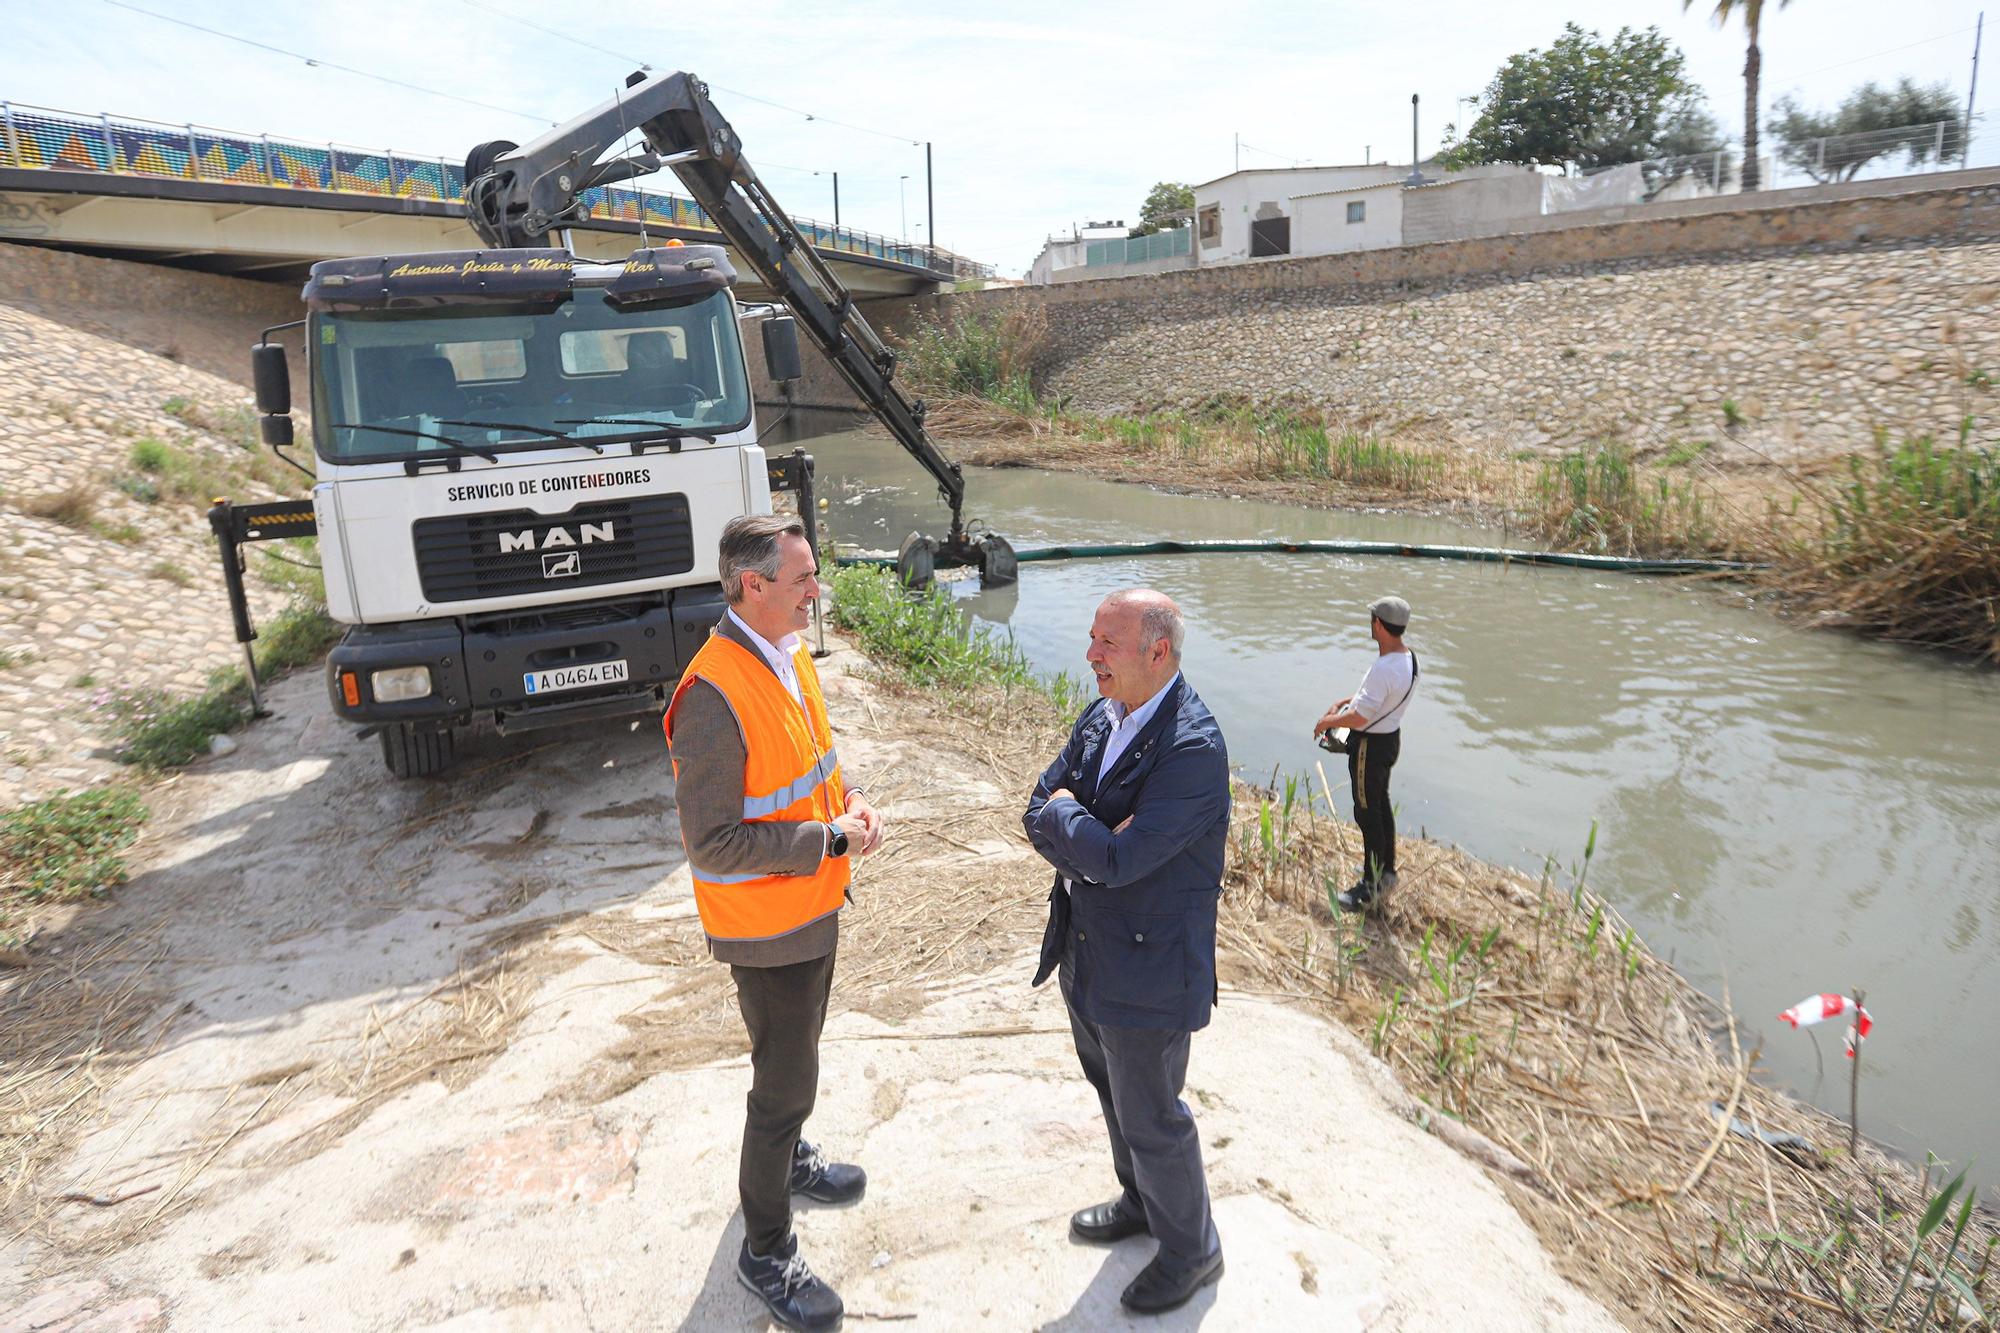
{"x": 524, "y": 459}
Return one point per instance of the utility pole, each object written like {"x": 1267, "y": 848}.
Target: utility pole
{"x": 1416, "y": 158}
{"x": 836, "y": 199}
{"x": 1965, "y": 135}
{"x": 903, "y": 205}
{"x": 1237, "y": 140}
{"x": 930, "y": 200}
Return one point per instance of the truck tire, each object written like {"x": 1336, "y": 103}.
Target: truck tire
{"x": 416, "y": 752}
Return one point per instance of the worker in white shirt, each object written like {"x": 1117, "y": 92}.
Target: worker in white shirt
{"x": 1373, "y": 716}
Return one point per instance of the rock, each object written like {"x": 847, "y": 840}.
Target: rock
{"x": 219, "y": 745}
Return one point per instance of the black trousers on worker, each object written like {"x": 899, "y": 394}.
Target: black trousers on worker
{"x": 784, "y": 1008}
{"x": 1369, "y": 759}
{"x": 1155, "y": 1149}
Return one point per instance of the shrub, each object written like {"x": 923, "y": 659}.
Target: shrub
{"x": 922, "y": 633}
{"x": 68, "y": 845}
{"x": 143, "y": 489}
{"x": 1910, "y": 547}
{"x": 978, "y": 352}
{"x": 74, "y": 506}
{"x": 172, "y": 573}
{"x": 149, "y": 455}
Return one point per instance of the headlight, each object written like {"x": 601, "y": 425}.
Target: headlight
{"x": 399, "y": 684}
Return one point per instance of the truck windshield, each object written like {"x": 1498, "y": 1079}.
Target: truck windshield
{"x": 396, "y": 384}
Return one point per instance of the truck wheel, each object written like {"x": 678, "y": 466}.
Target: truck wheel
{"x": 416, "y": 752}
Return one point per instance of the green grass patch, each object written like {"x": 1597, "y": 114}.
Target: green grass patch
{"x": 1598, "y": 499}
{"x": 1685, "y": 452}
{"x": 156, "y": 729}
{"x": 67, "y": 845}
{"x": 929, "y": 641}
{"x": 13, "y": 657}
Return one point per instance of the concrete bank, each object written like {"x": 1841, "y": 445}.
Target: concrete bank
{"x": 450, "y": 1055}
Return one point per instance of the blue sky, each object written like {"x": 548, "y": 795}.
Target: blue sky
{"x": 1043, "y": 115}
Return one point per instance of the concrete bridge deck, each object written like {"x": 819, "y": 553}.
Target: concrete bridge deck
{"x": 260, "y": 207}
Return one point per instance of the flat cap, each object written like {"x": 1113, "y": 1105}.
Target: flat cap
{"x": 1391, "y": 611}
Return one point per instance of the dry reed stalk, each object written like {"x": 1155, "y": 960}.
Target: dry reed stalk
{"x": 1527, "y": 1081}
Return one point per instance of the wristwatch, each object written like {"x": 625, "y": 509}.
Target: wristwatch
{"x": 836, "y": 841}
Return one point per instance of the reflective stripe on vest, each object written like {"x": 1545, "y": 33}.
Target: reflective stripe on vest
{"x": 791, "y": 773}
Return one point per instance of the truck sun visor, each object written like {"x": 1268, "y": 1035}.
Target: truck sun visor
{"x": 670, "y": 276}
{"x": 448, "y": 277}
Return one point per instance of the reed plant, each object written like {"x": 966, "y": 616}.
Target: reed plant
{"x": 1600, "y": 499}
{"x": 1908, "y": 547}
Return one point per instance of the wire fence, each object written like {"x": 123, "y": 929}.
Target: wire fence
{"x": 1139, "y": 249}
{"x": 1787, "y": 162}
{"x": 38, "y": 137}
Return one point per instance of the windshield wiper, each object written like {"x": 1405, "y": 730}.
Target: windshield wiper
{"x": 591, "y": 445}
{"x": 460, "y": 445}
{"x": 671, "y": 436}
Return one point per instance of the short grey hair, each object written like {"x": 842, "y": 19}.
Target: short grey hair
{"x": 750, "y": 546}
{"x": 1159, "y": 618}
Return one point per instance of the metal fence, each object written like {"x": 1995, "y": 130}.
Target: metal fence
{"x": 1785, "y": 163}
{"x": 1138, "y": 249}
{"x": 37, "y": 137}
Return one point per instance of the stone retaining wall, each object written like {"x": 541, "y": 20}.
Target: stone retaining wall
{"x": 1792, "y": 331}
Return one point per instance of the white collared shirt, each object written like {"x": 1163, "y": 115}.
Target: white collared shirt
{"x": 1124, "y": 727}
{"x": 779, "y": 655}
{"x": 1127, "y": 725}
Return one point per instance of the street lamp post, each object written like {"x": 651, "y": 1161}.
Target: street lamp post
{"x": 903, "y": 206}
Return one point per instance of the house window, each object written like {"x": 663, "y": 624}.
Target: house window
{"x": 1209, "y": 223}
{"x": 1357, "y": 210}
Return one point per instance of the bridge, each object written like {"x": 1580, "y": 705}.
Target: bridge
{"x": 254, "y": 206}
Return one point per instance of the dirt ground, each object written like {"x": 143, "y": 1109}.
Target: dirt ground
{"x": 349, "y": 1053}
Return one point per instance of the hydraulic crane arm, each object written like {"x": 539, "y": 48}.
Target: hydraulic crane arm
{"x": 516, "y": 194}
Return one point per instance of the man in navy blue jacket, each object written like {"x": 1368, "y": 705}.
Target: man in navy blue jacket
{"x": 1134, "y": 816}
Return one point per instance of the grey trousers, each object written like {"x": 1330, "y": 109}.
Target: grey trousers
{"x": 1155, "y": 1149}
{"x": 784, "y": 1009}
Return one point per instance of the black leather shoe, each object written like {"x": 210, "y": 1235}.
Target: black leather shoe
{"x": 823, "y": 1181}
{"x": 1159, "y": 1288}
{"x": 1104, "y": 1223}
{"x": 794, "y": 1297}
{"x": 1357, "y": 898}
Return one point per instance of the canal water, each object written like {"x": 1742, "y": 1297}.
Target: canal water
{"x": 1780, "y": 811}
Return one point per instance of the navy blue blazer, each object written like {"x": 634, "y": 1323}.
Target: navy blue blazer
{"x": 1142, "y": 918}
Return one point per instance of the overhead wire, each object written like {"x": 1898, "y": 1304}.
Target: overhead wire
{"x": 318, "y": 63}
{"x": 627, "y": 56}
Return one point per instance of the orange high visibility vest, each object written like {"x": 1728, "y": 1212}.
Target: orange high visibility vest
{"x": 790, "y": 773}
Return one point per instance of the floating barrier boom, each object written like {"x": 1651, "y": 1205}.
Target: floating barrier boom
{"x": 1482, "y": 554}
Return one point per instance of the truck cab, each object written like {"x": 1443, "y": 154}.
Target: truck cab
{"x": 524, "y": 465}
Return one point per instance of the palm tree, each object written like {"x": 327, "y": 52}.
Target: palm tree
{"x": 1753, "y": 18}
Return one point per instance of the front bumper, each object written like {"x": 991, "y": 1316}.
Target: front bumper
{"x": 479, "y": 664}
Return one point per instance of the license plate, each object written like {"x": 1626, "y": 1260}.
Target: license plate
{"x": 575, "y": 677}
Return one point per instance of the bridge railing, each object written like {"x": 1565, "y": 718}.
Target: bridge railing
{"x": 38, "y": 137}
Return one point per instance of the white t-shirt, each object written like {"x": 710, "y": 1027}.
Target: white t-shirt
{"x": 1387, "y": 683}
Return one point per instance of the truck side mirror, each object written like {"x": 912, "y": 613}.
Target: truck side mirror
{"x": 781, "y": 349}
{"x": 273, "y": 378}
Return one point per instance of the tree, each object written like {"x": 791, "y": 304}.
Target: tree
{"x": 1873, "y": 122}
{"x": 1164, "y": 201}
{"x": 1589, "y": 102}
{"x": 1753, "y": 66}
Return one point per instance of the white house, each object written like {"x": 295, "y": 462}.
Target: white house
{"x": 1060, "y": 252}
{"x": 1330, "y": 210}
{"x": 1247, "y": 214}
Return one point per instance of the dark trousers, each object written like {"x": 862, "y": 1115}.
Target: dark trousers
{"x": 1138, "y": 1074}
{"x": 784, "y": 1008}
{"x": 1369, "y": 759}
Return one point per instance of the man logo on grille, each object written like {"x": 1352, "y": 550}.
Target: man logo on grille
{"x": 563, "y": 565}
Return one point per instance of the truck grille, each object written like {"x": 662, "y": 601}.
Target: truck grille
{"x": 514, "y": 552}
